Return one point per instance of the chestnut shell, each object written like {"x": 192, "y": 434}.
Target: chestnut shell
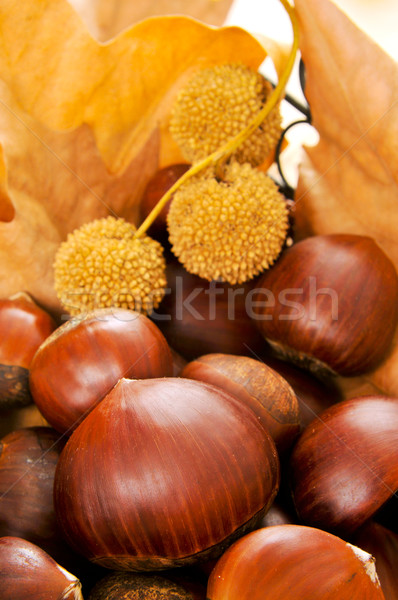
{"x": 163, "y": 473}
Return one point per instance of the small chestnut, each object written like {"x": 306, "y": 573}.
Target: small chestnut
{"x": 86, "y": 356}
{"x": 330, "y": 302}
{"x": 344, "y": 466}
{"x": 135, "y": 586}
{"x": 163, "y": 473}
{"x": 291, "y": 562}
{"x": 27, "y": 571}
{"x": 23, "y": 326}
{"x": 261, "y": 388}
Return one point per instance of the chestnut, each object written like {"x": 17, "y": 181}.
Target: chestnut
{"x": 330, "y": 303}
{"x": 86, "y": 356}
{"x": 344, "y": 466}
{"x": 261, "y": 388}
{"x": 28, "y": 458}
{"x": 19, "y": 418}
{"x": 27, "y": 571}
{"x": 383, "y": 545}
{"x": 291, "y": 562}
{"x": 200, "y": 317}
{"x": 134, "y": 586}
{"x": 314, "y": 395}
{"x": 163, "y": 473}
{"x": 23, "y": 326}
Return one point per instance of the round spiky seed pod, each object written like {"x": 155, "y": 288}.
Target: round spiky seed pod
{"x": 102, "y": 264}
{"x": 216, "y": 105}
{"x": 230, "y": 229}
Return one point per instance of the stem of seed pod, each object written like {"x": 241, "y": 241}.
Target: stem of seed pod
{"x": 233, "y": 144}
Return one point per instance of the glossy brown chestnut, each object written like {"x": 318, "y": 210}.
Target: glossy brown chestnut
{"x": 292, "y": 562}
{"x": 261, "y": 388}
{"x": 330, "y": 302}
{"x": 382, "y": 544}
{"x": 84, "y": 358}
{"x": 28, "y": 458}
{"x": 163, "y": 473}
{"x": 199, "y": 317}
{"x": 344, "y": 466}
{"x": 23, "y": 327}
{"x": 26, "y": 571}
{"x": 157, "y": 186}
{"x": 134, "y": 586}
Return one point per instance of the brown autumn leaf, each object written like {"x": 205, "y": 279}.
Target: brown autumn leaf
{"x": 81, "y": 123}
{"x": 106, "y": 18}
{"x": 349, "y": 181}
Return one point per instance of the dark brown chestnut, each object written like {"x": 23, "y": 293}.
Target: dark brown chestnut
{"x": 199, "y": 317}
{"x": 163, "y": 473}
{"x": 261, "y": 388}
{"x": 28, "y": 458}
{"x": 26, "y": 571}
{"x": 136, "y": 586}
{"x": 23, "y": 326}
{"x": 85, "y": 357}
{"x": 279, "y": 514}
{"x": 291, "y": 562}
{"x": 313, "y": 394}
{"x": 382, "y": 544}
{"x": 330, "y": 302}
{"x": 344, "y": 466}
{"x": 19, "y": 418}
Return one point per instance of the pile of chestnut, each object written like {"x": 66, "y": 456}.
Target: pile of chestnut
{"x": 207, "y": 451}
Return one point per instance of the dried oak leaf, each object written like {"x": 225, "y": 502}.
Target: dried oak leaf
{"x": 106, "y": 18}
{"x": 81, "y": 123}
{"x": 349, "y": 181}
